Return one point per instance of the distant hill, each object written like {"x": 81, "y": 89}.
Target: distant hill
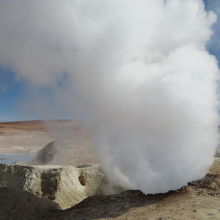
{"x": 35, "y": 125}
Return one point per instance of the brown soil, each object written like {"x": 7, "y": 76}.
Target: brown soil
{"x": 200, "y": 200}
{"x": 37, "y": 125}
{"x": 31, "y": 136}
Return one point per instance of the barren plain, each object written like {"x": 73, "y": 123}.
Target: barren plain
{"x": 198, "y": 200}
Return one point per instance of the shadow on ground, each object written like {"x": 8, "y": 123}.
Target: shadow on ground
{"x": 21, "y": 205}
{"x": 110, "y": 206}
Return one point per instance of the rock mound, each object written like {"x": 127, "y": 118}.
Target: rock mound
{"x": 64, "y": 153}
{"x": 47, "y": 154}
{"x": 65, "y": 186}
{"x": 217, "y": 154}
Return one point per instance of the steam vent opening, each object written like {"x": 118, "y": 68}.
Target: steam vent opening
{"x": 82, "y": 180}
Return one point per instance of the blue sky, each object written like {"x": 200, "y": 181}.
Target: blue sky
{"x": 14, "y": 92}
{"x": 19, "y": 99}
{"x": 214, "y": 46}
{"x": 11, "y": 92}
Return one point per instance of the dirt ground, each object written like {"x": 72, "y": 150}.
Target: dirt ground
{"x": 29, "y": 137}
{"x": 23, "y": 137}
{"x": 199, "y": 200}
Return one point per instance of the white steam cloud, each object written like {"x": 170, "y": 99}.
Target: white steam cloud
{"x": 140, "y": 68}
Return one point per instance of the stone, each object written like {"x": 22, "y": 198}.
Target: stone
{"x": 63, "y": 185}
{"x": 64, "y": 153}
{"x": 217, "y": 154}
{"x": 47, "y": 154}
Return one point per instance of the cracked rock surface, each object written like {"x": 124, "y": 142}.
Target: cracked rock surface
{"x": 64, "y": 186}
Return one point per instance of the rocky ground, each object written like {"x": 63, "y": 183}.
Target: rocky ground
{"x": 198, "y": 200}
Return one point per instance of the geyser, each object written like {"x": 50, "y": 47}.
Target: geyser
{"x": 142, "y": 70}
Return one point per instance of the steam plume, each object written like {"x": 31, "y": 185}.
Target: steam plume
{"x": 142, "y": 70}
